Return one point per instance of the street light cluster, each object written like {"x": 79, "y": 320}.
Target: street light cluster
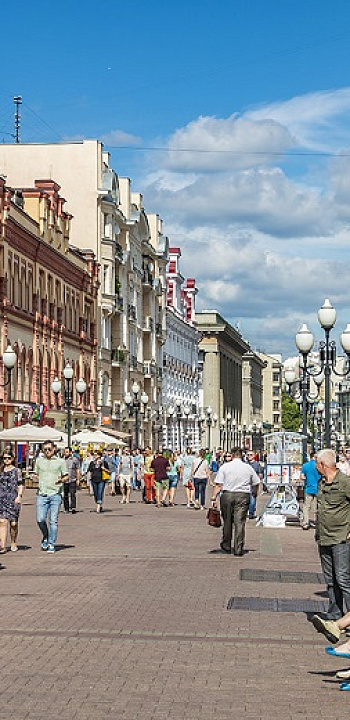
{"x": 299, "y": 386}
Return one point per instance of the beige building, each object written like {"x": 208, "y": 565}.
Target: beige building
{"x": 48, "y": 303}
{"x": 231, "y": 394}
{"x": 272, "y": 392}
{"x": 109, "y": 220}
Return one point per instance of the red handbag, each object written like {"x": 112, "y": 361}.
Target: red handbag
{"x": 214, "y": 517}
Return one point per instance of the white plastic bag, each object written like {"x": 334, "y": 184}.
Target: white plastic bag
{"x": 273, "y": 521}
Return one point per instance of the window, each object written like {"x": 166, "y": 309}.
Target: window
{"x": 105, "y": 284}
{"x": 276, "y": 391}
{"x": 276, "y": 377}
{"x": 276, "y": 405}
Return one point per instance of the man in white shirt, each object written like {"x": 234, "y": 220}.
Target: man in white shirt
{"x": 236, "y": 480}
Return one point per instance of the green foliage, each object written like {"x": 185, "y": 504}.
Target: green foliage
{"x": 291, "y": 414}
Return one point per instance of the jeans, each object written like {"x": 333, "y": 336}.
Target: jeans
{"x": 199, "y": 490}
{"x": 252, "y": 506}
{"x": 48, "y": 504}
{"x": 234, "y": 508}
{"x": 335, "y": 562}
{"x": 98, "y": 490}
{"x": 70, "y": 489}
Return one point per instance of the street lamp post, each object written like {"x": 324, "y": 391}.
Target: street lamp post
{"x": 328, "y": 355}
{"x": 9, "y": 360}
{"x": 136, "y": 404}
{"x": 244, "y": 433}
{"x": 178, "y": 405}
{"x": 211, "y": 421}
{"x": 188, "y": 436}
{"x": 56, "y": 387}
{"x": 299, "y": 387}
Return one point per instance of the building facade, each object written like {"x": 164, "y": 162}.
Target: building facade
{"x": 272, "y": 392}
{"x": 180, "y": 391}
{"x": 48, "y": 305}
{"x": 110, "y": 221}
{"x": 231, "y": 393}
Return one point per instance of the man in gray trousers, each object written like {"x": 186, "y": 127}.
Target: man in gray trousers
{"x": 236, "y": 480}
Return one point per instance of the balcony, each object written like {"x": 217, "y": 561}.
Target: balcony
{"x": 149, "y": 369}
{"x": 148, "y": 324}
{"x": 119, "y": 303}
{"x": 119, "y": 252}
{"x": 147, "y": 279}
{"x": 132, "y": 312}
{"x": 118, "y": 357}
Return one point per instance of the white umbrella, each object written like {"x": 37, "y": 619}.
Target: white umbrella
{"x": 30, "y": 434}
{"x": 97, "y": 437}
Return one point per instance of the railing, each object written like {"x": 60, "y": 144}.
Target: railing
{"x": 118, "y": 356}
{"x": 132, "y": 312}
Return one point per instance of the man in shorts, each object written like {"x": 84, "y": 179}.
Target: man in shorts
{"x": 160, "y": 466}
{"x": 125, "y": 475}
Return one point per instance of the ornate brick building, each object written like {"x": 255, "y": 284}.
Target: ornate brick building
{"x": 48, "y": 301}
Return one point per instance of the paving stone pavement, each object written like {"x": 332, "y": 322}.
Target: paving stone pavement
{"x": 129, "y": 620}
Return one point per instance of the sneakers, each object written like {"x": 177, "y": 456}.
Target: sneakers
{"x": 51, "y": 549}
{"x": 343, "y": 674}
{"x": 329, "y": 628}
{"x": 44, "y": 544}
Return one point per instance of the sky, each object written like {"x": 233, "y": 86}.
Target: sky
{"x": 232, "y": 120}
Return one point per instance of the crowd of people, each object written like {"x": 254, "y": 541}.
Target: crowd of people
{"x": 155, "y": 475}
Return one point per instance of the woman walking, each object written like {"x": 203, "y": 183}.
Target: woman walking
{"x": 200, "y": 476}
{"x": 173, "y": 477}
{"x": 11, "y": 490}
{"x": 95, "y": 473}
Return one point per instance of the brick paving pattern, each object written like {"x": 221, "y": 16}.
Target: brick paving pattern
{"x": 129, "y": 620}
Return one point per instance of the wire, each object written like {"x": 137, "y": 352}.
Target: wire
{"x": 43, "y": 121}
{"x": 281, "y": 153}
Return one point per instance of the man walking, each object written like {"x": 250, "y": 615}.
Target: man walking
{"x": 51, "y": 473}
{"x": 160, "y": 466}
{"x": 125, "y": 475}
{"x": 332, "y": 532}
{"x": 235, "y": 479}
{"x": 311, "y": 479}
{"x": 70, "y": 485}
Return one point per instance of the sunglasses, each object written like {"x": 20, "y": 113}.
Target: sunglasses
{"x": 48, "y": 449}
{"x": 7, "y": 457}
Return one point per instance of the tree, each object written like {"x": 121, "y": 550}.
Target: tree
{"x": 291, "y": 415}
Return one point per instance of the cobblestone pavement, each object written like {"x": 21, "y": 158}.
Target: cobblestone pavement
{"x": 129, "y": 620}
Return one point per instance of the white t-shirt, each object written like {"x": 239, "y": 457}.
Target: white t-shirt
{"x": 236, "y": 476}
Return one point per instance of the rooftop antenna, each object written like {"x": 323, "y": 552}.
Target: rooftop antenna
{"x": 18, "y": 101}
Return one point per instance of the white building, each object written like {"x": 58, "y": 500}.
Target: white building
{"x": 180, "y": 360}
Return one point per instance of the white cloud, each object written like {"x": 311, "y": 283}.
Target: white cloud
{"x": 211, "y": 144}
{"x": 266, "y": 239}
{"x": 119, "y": 137}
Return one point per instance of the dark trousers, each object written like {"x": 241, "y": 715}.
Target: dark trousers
{"x": 234, "y": 508}
{"x": 199, "y": 490}
{"x": 70, "y": 492}
{"x": 335, "y": 562}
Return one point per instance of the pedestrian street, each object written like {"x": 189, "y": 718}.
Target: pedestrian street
{"x": 129, "y": 619}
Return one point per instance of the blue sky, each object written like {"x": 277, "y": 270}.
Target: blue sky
{"x": 267, "y": 234}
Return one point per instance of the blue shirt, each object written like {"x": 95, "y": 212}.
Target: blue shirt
{"x": 312, "y": 477}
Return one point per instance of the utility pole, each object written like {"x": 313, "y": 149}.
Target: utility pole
{"x": 18, "y": 101}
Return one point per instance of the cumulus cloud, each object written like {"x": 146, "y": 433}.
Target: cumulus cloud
{"x": 212, "y": 144}
{"x": 119, "y": 137}
{"x": 267, "y": 238}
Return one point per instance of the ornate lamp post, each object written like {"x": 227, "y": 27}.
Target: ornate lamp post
{"x": 299, "y": 388}
{"x": 328, "y": 354}
{"x": 178, "y": 405}
{"x": 222, "y": 433}
{"x": 9, "y": 360}
{"x": 244, "y": 433}
{"x": 187, "y": 411}
{"x": 136, "y": 405}
{"x": 211, "y": 420}
{"x": 56, "y": 387}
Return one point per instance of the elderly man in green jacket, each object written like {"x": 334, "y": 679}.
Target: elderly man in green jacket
{"x": 332, "y": 533}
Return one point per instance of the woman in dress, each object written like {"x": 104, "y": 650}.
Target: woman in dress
{"x": 11, "y": 490}
{"x": 96, "y": 478}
